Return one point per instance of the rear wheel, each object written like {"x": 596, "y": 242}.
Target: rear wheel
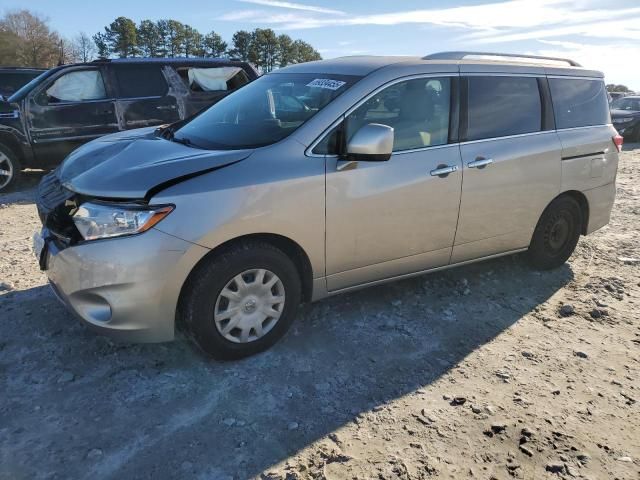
{"x": 9, "y": 169}
{"x": 556, "y": 234}
{"x": 242, "y": 301}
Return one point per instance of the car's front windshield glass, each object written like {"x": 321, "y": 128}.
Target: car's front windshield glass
{"x": 626, "y": 104}
{"x": 264, "y": 111}
{"x": 25, "y": 89}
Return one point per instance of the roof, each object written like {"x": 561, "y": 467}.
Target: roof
{"x": 168, "y": 60}
{"x": 466, "y": 61}
{"x": 355, "y": 65}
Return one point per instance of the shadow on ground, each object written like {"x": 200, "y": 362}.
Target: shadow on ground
{"x": 77, "y": 405}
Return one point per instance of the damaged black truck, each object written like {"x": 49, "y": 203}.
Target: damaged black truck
{"x": 70, "y": 105}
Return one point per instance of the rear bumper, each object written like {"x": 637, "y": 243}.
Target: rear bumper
{"x": 126, "y": 288}
{"x": 600, "y": 202}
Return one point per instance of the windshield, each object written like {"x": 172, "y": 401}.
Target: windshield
{"x": 29, "y": 86}
{"x": 264, "y": 111}
{"x": 10, "y": 82}
{"x": 626, "y": 104}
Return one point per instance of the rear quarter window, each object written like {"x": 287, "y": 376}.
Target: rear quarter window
{"x": 213, "y": 79}
{"x": 579, "y": 102}
{"x": 499, "y": 106}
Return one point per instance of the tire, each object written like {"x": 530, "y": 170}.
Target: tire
{"x": 203, "y": 299}
{"x": 556, "y": 234}
{"x": 9, "y": 163}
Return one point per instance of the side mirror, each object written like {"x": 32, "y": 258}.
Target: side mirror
{"x": 373, "y": 143}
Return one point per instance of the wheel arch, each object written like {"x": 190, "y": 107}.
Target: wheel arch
{"x": 9, "y": 142}
{"x": 291, "y": 248}
{"x": 579, "y": 197}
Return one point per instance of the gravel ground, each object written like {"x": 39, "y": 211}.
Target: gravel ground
{"x": 488, "y": 371}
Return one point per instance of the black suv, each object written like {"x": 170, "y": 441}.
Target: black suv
{"x": 13, "y": 78}
{"x": 67, "y": 106}
{"x": 625, "y": 115}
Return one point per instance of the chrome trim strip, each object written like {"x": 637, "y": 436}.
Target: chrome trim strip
{"x": 586, "y": 126}
{"x": 422, "y": 272}
{"x": 577, "y": 77}
{"x": 502, "y": 74}
{"x": 365, "y": 99}
{"x": 469, "y": 142}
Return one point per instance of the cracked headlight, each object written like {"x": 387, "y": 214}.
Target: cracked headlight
{"x": 106, "y": 220}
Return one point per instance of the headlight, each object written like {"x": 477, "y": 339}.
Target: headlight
{"x": 103, "y": 220}
{"x": 623, "y": 120}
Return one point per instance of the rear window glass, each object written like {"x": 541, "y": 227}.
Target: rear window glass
{"x": 137, "y": 81}
{"x": 501, "y": 106}
{"x": 579, "y": 102}
{"x": 213, "y": 79}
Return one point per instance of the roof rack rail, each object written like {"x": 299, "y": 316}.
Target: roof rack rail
{"x": 463, "y": 55}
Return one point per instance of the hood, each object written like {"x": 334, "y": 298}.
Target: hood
{"x": 137, "y": 163}
{"x": 624, "y": 113}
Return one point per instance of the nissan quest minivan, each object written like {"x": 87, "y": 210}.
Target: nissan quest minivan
{"x": 324, "y": 177}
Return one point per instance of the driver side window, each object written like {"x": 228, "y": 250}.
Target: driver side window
{"x": 76, "y": 86}
{"x": 417, "y": 110}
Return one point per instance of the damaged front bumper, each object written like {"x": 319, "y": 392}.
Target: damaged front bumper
{"x": 127, "y": 288}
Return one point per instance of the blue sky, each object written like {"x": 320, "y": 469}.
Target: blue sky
{"x": 600, "y": 34}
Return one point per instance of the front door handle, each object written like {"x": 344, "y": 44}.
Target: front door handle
{"x": 480, "y": 162}
{"x": 443, "y": 171}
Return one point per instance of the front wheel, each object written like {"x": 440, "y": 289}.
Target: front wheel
{"x": 9, "y": 169}
{"x": 556, "y": 234}
{"x": 242, "y": 301}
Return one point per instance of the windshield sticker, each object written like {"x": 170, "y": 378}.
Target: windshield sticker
{"x": 326, "y": 83}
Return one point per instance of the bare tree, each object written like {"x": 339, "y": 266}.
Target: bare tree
{"x": 38, "y": 45}
{"x": 83, "y": 48}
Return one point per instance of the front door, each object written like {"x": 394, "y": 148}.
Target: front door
{"x": 144, "y": 99}
{"x": 511, "y": 162}
{"x": 395, "y": 217}
{"x": 70, "y": 109}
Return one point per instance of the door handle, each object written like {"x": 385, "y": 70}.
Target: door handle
{"x": 480, "y": 162}
{"x": 444, "y": 170}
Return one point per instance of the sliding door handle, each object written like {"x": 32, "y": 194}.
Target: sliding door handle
{"x": 444, "y": 170}
{"x": 480, "y": 162}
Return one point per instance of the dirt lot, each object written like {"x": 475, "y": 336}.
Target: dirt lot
{"x": 486, "y": 371}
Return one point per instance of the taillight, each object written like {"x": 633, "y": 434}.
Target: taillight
{"x": 617, "y": 141}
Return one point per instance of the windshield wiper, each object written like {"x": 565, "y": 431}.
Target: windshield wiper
{"x": 182, "y": 140}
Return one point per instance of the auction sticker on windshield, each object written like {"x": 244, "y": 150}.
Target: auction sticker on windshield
{"x": 326, "y": 83}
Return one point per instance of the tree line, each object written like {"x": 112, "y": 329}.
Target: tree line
{"x": 170, "y": 38}
{"x": 27, "y": 40}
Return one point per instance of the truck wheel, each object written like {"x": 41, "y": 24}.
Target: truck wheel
{"x": 242, "y": 301}
{"x": 9, "y": 169}
{"x": 556, "y": 235}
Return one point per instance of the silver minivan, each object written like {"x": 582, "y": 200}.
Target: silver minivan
{"x": 324, "y": 177}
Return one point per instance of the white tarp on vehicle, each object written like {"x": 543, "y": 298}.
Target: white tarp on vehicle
{"x": 212, "y": 79}
{"x": 78, "y": 86}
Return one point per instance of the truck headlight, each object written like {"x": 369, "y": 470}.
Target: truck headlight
{"x": 623, "y": 120}
{"x": 106, "y": 220}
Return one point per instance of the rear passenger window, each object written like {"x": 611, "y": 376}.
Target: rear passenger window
{"x": 501, "y": 106}
{"x": 579, "y": 102}
{"x": 137, "y": 81}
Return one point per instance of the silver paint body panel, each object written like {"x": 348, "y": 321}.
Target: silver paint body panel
{"x": 363, "y": 224}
